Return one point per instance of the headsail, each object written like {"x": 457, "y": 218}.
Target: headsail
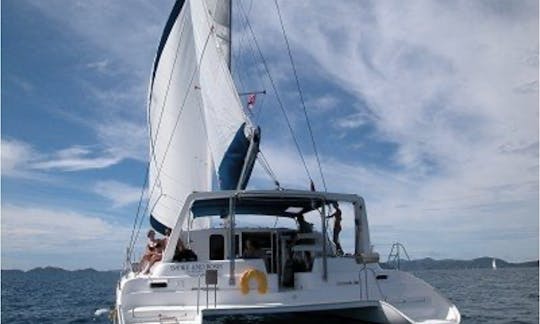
{"x": 196, "y": 120}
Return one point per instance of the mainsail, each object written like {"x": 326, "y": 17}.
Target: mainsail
{"x": 196, "y": 120}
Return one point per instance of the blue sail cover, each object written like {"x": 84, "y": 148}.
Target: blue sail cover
{"x": 232, "y": 164}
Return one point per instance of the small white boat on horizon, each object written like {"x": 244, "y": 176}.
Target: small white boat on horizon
{"x": 211, "y": 265}
{"x": 494, "y": 264}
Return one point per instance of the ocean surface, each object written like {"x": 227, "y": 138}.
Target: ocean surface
{"x": 507, "y": 295}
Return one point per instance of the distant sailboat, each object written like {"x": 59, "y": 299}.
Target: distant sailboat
{"x": 494, "y": 264}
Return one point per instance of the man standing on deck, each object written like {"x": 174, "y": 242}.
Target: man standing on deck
{"x": 337, "y": 227}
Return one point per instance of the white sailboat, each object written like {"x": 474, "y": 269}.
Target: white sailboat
{"x": 494, "y": 264}
{"x": 198, "y": 131}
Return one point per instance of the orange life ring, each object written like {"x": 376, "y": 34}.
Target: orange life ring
{"x": 253, "y": 274}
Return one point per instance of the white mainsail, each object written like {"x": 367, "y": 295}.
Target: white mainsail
{"x": 195, "y": 117}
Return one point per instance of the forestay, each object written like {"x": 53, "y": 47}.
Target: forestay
{"x": 196, "y": 120}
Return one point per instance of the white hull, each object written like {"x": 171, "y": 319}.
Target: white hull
{"x": 399, "y": 298}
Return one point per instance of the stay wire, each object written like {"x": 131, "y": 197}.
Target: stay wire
{"x": 300, "y": 94}
{"x": 137, "y": 215}
{"x": 259, "y": 82}
{"x": 266, "y": 166}
{"x": 274, "y": 87}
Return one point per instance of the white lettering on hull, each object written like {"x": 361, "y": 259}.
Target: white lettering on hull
{"x": 195, "y": 269}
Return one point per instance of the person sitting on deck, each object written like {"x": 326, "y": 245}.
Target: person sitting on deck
{"x": 157, "y": 252}
{"x": 252, "y": 250}
{"x": 303, "y": 226}
{"x": 183, "y": 254}
{"x": 150, "y": 248}
{"x": 337, "y": 227}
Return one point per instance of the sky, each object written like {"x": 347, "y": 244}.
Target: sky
{"x": 426, "y": 109}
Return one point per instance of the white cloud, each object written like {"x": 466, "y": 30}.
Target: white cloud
{"x": 18, "y": 160}
{"x": 101, "y": 66}
{"x": 57, "y": 235}
{"x": 76, "y": 158}
{"x": 322, "y": 104}
{"x": 352, "y": 121}
{"x": 124, "y": 141}
{"x": 467, "y": 210}
{"x": 98, "y": 23}
{"x": 453, "y": 84}
{"x": 118, "y": 40}
{"x": 119, "y": 193}
{"x": 436, "y": 91}
{"x": 77, "y": 164}
{"x": 15, "y": 157}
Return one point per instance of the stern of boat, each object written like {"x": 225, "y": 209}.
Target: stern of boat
{"x": 414, "y": 300}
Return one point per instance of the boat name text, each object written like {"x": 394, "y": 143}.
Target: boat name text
{"x": 195, "y": 268}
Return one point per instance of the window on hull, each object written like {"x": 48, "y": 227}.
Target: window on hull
{"x": 217, "y": 247}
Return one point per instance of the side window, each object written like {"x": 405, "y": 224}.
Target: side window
{"x": 217, "y": 247}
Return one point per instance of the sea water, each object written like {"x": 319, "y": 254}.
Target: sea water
{"x": 508, "y": 295}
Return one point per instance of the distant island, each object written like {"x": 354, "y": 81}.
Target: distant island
{"x": 450, "y": 264}
{"x": 56, "y": 272}
{"x": 405, "y": 265}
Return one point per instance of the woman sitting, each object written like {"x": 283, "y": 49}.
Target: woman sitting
{"x": 155, "y": 248}
{"x": 150, "y": 248}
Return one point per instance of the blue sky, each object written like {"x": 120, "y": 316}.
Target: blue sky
{"x": 429, "y": 110}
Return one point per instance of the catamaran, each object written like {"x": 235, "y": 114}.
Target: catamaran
{"x": 200, "y": 138}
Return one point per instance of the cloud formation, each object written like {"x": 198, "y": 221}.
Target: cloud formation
{"x": 451, "y": 87}
{"x": 446, "y": 214}
{"x": 119, "y": 193}
{"x": 55, "y": 235}
{"x": 17, "y": 157}
{"x": 21, "y": 160}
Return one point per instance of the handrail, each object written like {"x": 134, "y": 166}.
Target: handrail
{"x": 207, "y": 290}
{"x": 365, "y": 269}
{"x": 394, "y": 257}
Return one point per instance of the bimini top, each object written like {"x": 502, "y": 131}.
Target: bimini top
{"x": 272, "y": 203}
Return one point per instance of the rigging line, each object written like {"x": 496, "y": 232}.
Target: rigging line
{"x": 266, "y": 168}
{"x": 265, "y": 161}
{"x": 274, "y": 87}
{"x": 130, "y": 245}
{"x": 251, "y": 51}
{"x": 142, "y": 218}
{"x": 242, "y": 61}
{"x": 175, "y": 126}
{"x": 260, "y": 109}
{"x": 237, "y": 64}
{"x": 300, "y": 94}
